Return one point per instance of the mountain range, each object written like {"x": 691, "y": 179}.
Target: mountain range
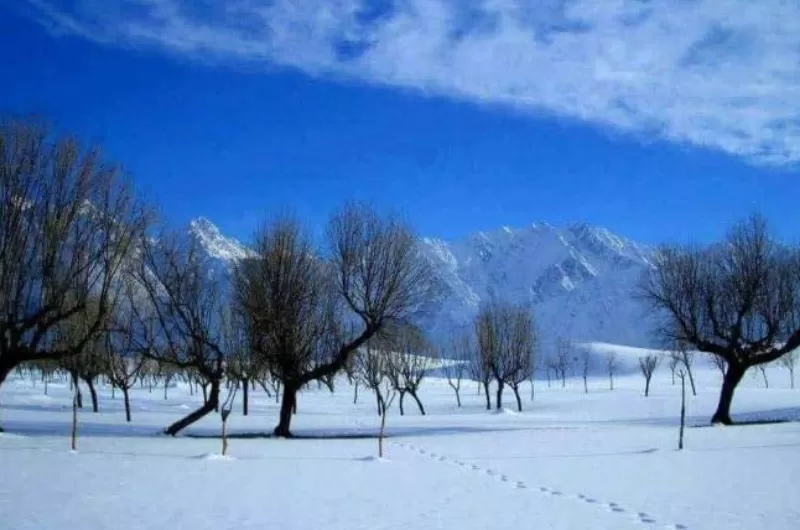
{"x": 580, "y": 279}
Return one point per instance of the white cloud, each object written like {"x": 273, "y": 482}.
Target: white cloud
{"x": 718, "y": 73}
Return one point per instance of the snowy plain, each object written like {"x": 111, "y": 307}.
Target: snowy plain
{"x": 606, "y": 460}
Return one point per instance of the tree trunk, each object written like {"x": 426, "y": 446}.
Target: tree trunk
{"x": 683, "y": 410}
{"x": 402, "y": 397}
{"x": 5, "y": 369}
{"x": 691, "y": 379}
{"x": 205, "y": 394}
{"x": 126, "y": 396}
{"x": 563, "y": 378}
{"x": 381, "y": 435}
{"x": 225, "y": 432}
{"x": 499, "y": 395}
{"x": 355, "y": 394}
{"x": 764, "y": 373}
{"x": 585, "y": 384}
{"x": 74, "y": 386}
{"x": 516, "y": 395}
{"x": 245, "y": 397}
{"x": 419, "y": 403}
{"x": 733, "y": 376}
{"x": 791, "y": 377}
{"x": 288, "y": 403}
{"x": 646, "y": 386}
{"x": 74, "y": 437}
{"x": 166, "y": 386}
{"x": 208, "y": 406}
{"x": 488, "y": 396}
{"x": 378, "y": 402}
{"x": 610, "y": 380}
{"x": 458, "y": 396}
{"x": 90, "y": 383}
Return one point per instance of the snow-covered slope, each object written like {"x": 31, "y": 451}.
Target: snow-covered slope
{"x": 580, "y": 279}
{"x": 218, "y": 246}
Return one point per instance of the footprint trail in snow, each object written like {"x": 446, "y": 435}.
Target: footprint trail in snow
{"x": 642, "y": 518}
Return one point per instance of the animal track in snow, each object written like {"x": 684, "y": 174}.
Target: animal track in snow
{"x": 639, "y": 517}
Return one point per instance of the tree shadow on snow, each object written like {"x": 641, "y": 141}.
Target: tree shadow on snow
{"x": 365, "y": 433}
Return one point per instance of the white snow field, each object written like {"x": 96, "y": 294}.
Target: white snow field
{"x": 602, "y": 460}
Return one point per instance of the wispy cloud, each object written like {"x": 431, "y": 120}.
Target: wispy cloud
{"x": 723, "y": 74}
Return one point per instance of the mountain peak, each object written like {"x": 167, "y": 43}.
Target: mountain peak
{"x": 216, "y": 244}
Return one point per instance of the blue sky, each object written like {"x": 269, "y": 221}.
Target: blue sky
{"x": 662, "y": 121}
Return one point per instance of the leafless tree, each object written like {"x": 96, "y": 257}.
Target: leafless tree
{"x": 242, "y": 366}
{"x": 789, "y": 361}
{"x": 674, "y": 362}
{"x": 480, "y": 371}
{"x": 88, "y": 364}
{"x": 372, "y": 368}
{"x": 124, "y": 358}
{"x": 763, "y": 369}
{"x": 718, "y": 362}
{"x": 179, "y": 313}
{"x": 310, "y": 311}
{"x": 506, "y": 341}
{"x": 739, "y": 300}
{"x": 411, "y": 358}
{"x": 682, "y": 357}
{"x": 461, "y": 349}
{"x": 563, "y": 358}
{"x": 520, "y": 352}
{"x": 648, "y": 365}
{"x": 68, "y": 220}
{"x": 611, "y": 366}
{"x": 586, "y": 363}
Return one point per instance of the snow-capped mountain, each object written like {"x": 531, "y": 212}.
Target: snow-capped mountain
{"x": 218, "y": 246}
{"x": 580, "y": 279}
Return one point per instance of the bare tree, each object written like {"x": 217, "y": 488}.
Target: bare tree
{"x": 411, "y": 357}
{"x": 520, "y": 349}
{"x": 648, "y": 365}
{"x": 310, "y": 312}
{"x": 611, "y": 366}
{"x": 506, "y": 341}
{"x": 124, "y": 362}
{"x": 454, "y": 368}
{"x": 763, "y": 369}
{"x": 479, "y": 371}
{"x": 68, "y": 221}
{"x": 674, "y": 362}
{"x": 88, "y": 364}
{"x": 739, "y": 301}
{"x": 719, "y": 363}
{"x": 788, "y": 361}
{"x": 683, "y": 356}
{"x": 179, "y": 310}
{"x": 586, "y": 362}
{"x": 372, "y": 368}
{"x": 563, "y": 358}
{"x": 242, "y": 366}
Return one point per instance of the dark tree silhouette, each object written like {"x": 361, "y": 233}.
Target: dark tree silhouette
{"x": 738, "y": 300}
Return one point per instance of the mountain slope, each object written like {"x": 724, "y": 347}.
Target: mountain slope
{"x": 579, "y": 279}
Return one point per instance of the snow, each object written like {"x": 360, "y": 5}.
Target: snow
{"x": 580, "y": 279}
{"x": 602, "y": 460}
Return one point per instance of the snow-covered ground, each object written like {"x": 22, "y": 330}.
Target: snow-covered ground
{"x": 603, "y": 460}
